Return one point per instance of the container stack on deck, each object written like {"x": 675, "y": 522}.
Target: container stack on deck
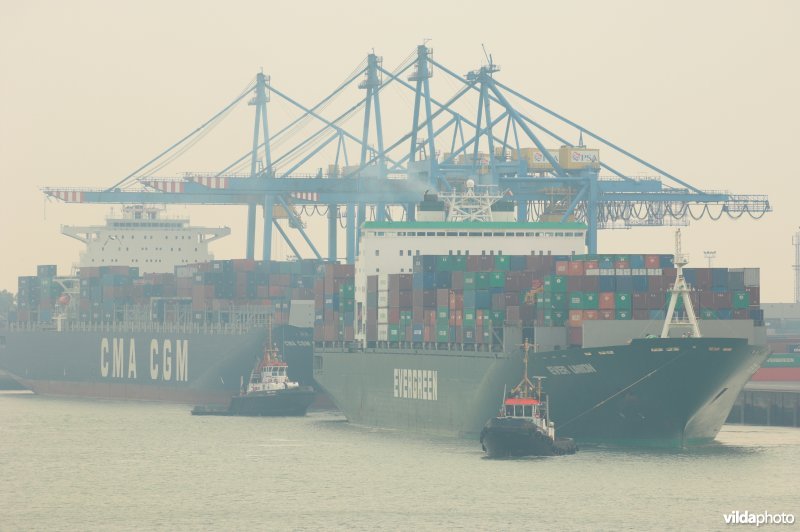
{"x": 37, "y": 294}
{"x": 334, "y": 303}
{"x": 203, "y": 291}
{"x": 467, "y": 299}
{"x": 464, "y": 299}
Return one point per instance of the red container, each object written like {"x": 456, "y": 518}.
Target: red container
{"x": 622, "y": 264}
{"x": 590, "y": 283}
{"x": 574, "y": 284}
{"x": 640, "y": 301}
{"x": 656, "y": 283}
{"x": 591, "y": 315}
{"x": 576, "y": 316}
{"x": 607, "y": 301}
{"x": 652, "y": 261}
{"x": 707, "y": 300}
{"x": 575, "y": 268}
{"x": 607, "y": 314}
{"x": 562, "y": 267}
{"x": 722, "y": 300}
{"x": 755, "y": 295}
{"x": 590, "y": 265}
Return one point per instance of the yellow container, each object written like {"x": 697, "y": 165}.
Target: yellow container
{"x": 576, "y": 158}
{"x": 536, "y": 159}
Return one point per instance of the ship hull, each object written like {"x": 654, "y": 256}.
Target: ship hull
{"x": 184, "y": 367}
{"x": 504, "y": 437}
{"x": 668, "y": 392}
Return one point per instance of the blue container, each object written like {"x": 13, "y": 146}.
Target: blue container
{"x": 606, "y": 283}
{"x": 666, "y": 261}
{"x": 640, "y": 283}
{"x": 606, "y": 263}
{"x": 417, "y": 334}
{"x": 443, "y": 279}
{"x": 624, "y": 283}
{"x": 736, "y": 281}
{"x": 469, "y": 299}
{"x": 518, "y": 263}
{"x": 428, "y": 280}
{"x": 690, "y": 274}
{"x": 483, "y": 299}
{"x": 719, "y": 277}
{"x": 725, "y": 313}
{"x": 637, "y": 262}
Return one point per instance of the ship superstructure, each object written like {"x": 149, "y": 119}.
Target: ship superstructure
{"x": 476, "y": 221}
{"x": 143, "y": 236}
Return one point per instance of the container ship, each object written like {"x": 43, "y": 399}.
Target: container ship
{"x": 424, "y": 332}
{"x": 150, "y": 315}
{"x": 772, "y": 396}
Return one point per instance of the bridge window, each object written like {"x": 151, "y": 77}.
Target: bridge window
{"x": 528, "y": 410}
{"x": 517, "y": 410}
{"x": 509, "y": 410}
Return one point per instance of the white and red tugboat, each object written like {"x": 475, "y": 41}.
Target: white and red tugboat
{"x": 269, "y": 392}
{"x": 523, "y": 426}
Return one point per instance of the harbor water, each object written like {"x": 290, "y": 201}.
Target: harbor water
{"x": 101, "y": 465}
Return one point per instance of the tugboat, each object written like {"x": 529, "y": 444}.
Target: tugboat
{"x": 269, "y": 392}
{"x": 523, "y": 426}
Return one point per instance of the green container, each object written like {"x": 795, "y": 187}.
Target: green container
{"x": 459, "y": 263}
{"x": 347, "y": 291}
{"x": 555, "y": 283}
{"x": 576, "y": 300}
{"x": 469, "y": 280}
{"x": 708, "y": 314}
{"x": 623, "y": 314}
{"x": 622, "y": 301}
{"x": 740, "y": 299}
{"x": 497, "y": 279}
{"x": 443, "y": 333}
{"x": 590, "y": 301}
{"x": 347, "y": 305}
{"x": 502, "y": 262}
{"x": 678, "y": 304}
{"x": 442, "y": 313}
{"x": 559, "y": 300}
{"x": 444, "y": 263}
{"x": 394, "y": 333}
{"x": 482, "y": 280}
{"x": 469, "y": 316}
{"x": 497, "y": 316}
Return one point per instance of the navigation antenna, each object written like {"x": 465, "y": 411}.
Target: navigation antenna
{"x": 680, "y": 289}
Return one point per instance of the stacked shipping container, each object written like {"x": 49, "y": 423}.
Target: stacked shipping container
{"x": 204, "y": 291}
{"x": 467, "y": 299}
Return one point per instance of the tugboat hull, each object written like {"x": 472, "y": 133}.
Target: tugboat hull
{"x": 292, "y": 402}
{"x": 502, "y": 437}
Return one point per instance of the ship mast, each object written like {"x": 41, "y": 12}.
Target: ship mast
{"x": 472, "y": 205}
{"x": 680, "y": 289}
{"x": 526, "y": 388}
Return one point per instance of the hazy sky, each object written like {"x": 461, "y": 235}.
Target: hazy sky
{"x": 90, "y": 90}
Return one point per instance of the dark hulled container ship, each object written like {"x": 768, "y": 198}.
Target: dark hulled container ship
{"x": 436, "y": 338}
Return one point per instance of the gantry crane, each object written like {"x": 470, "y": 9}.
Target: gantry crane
{"x": 507, "y": 144}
